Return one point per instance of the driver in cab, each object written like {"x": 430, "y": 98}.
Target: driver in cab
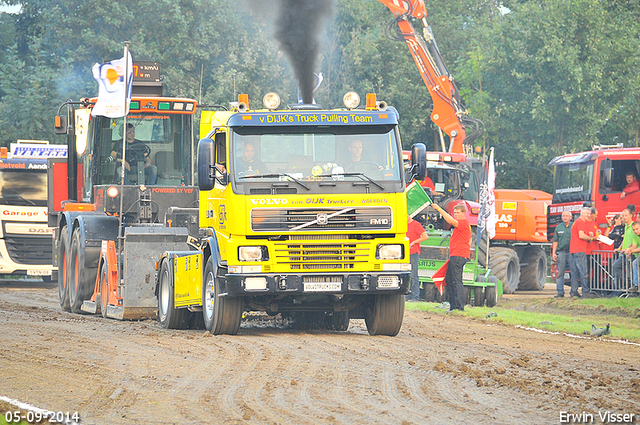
{"x": 135, "y": 150}
{"x": 355, "y": 162}
{"x": 248, "y": 164}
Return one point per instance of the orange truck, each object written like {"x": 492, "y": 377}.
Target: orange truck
{"x": 516, "y": 254}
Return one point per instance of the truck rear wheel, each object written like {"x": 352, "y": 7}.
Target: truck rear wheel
{"x": 63, "y": 290}
{"x": 170, "y": 317}
{"x": 385, "y": 316}
{"x": 505, "y": 264}
{"x": 533, "y": 276}
{"x": 221, "y": 315}
{"x": 80, "y": 279}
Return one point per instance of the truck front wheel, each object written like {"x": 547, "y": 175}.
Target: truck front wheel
{"x": 63, "y": 290}
{"x": 385, "y": 316}
{"x": 222, "y": 315}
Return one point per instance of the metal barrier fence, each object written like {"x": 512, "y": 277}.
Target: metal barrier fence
{"x": 610, "y": 272}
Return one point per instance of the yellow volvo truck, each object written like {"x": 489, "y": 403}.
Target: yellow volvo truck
{"x": 302, "y": 212}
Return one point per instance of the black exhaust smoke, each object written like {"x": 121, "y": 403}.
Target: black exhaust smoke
{"x": 299, "y": 25}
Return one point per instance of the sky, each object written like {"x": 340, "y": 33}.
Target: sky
{"x": 10, "y": 9}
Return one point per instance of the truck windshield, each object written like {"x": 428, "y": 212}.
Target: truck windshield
{"x": 23, "y": 187}
{"x": 311, "y": 154}
{"x": 160, "y": 142}
{"x": 572, "y": 182}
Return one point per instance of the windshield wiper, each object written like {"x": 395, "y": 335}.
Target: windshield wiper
{"x": 362, "y": 175}
{"x": 263, "y": 176}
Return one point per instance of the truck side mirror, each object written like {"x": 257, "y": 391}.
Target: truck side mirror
{"x": 206, "y": 164}
{"x": 60, "y": 124}
{"x": 418, "y": 162}
{"x": 608, "y": 177}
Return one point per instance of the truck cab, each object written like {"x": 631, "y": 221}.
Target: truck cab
{"x": 304, "y": 214}
{"x": 25, "y": 237}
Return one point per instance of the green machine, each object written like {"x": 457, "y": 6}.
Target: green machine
{"x": 480, "y": 286}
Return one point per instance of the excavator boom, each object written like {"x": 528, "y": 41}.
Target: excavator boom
{"x": 448, "y": 113}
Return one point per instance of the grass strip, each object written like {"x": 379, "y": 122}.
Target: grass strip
{"x": 557, "y": 315}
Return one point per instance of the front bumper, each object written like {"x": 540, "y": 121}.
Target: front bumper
{"x": 313, "y": 284}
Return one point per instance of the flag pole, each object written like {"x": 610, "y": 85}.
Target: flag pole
{"x": 124, "y": 124}
{"x": 486, "y": 220}
{"x": 124, "y": 147}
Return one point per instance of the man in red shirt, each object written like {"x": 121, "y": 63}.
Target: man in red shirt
{"x": 459, "y": 253}
{"x": 416, "y": 234}
{"x": 582, "y": 236}
{"x": 632, "y": 184}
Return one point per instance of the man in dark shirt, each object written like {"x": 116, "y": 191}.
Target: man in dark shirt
{"x": 248, "y": 164}
{"x": 562, "y": 257}
{"x": 136, "y": 151}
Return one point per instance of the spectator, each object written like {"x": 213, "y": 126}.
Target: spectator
{"x": 459, "y": 254}
{"x": 629, "y": 246}
{"x": 560, "y": 254}
{"x": 635, "y": 265}
{"x": 615, "y": 231}
{"x": 595, "y": 245}
{"x": 416, "y": 234}
{"x": 632, "y": 184}
{"x": 581, "y": 235}
{"x": 632, "y": 209}
{"x": 427, "y": 183}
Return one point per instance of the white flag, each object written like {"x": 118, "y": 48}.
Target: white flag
{"x": 487, "y": 216}
{"x": 111, "y": 92}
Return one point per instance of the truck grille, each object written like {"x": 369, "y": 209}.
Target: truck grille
{"x": 321, "y": 219}
{"x": 32, "y": 250}
{"x": 322, "y": 255}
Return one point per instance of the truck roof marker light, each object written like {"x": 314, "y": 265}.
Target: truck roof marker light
{"x": 134, "y": 105}
{"x": 178, "y": 106}
{"x": 112, "y": 192}
{"x": 3, "y": 152}
{"x": 243, "y": 102}
{"x": 351, "y": 100}
{"x": 372, "y": 104}
{"x": 433, "y": 157}
{"x": 271, "y": 101}
{"x": 189, "y": 107}
{"x": 164, "y": 106}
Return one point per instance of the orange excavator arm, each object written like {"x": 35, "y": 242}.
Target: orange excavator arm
{"x": 448, "y": 113}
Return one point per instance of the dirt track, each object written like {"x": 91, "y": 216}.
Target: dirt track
{"x": 439, "y": 369}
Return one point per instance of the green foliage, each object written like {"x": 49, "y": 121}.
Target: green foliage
{"x": 546, "y": 77}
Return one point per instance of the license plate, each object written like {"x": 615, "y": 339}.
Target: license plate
{"x": 322, "y": 286}
{"x": 38, "y": 272}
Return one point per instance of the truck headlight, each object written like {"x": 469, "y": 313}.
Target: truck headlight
{"x": 252, "y": 253}
{"x": 389, "y": 252}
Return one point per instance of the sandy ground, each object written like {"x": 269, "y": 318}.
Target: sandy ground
{"x": 440, "y": 369}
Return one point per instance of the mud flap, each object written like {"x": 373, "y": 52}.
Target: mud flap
{"x": 143, "y": 246}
